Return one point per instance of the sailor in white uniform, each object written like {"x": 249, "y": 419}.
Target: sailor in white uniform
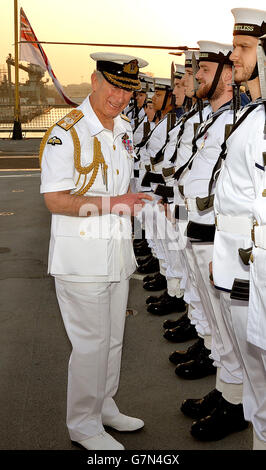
{"x": 180, "y": 155}
{"x": 215, "y": 64}
{"x": 87, "y": 162}
{"x": 238, "y": 185}
{"x": 166, "y": 248}
{"x": 136, "y": 112}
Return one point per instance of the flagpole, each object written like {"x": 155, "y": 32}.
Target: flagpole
{"x": 136, "y": 46}
{"x": 17, "y": 132}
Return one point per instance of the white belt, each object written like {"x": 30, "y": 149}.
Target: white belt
{"x": 258, "y": 235}
{"x": 142, "y": 165}
{"x": 191, "y": 204}
{"x": 232, "y": 224}
{"x": 157, "y": 167}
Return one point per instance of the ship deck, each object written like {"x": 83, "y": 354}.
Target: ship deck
{"x": 34, "y": 348}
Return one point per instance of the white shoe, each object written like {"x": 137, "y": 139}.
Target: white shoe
{"x": 124, "y": 423}
{"x": 102, "y": 441}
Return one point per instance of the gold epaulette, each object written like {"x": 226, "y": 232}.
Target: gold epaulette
{"x": 123, "y": 116}
{"x": 70, "y": 119}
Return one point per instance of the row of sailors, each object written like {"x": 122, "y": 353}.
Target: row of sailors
{"x": 208, "y": 172}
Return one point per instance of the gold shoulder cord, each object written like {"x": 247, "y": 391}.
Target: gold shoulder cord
{"x": 43, "y": 143}
{"x": 98, "y": 160}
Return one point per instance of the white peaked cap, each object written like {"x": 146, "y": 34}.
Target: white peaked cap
{"x": 162, "y": 83}
{"x": 120, "y": 70}
{"x": 211, "y": 51}
{"x": 118, "y": 58}
{"x": 188, "y": 57}
{"x": 215, "y": 47}
{"x": 146, "y": 82}
{"x": 249, "y": 21}
{"x": 180, "y": 68}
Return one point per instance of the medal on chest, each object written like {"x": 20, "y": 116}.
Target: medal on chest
{"x": 127, "y": 144}
{"x": 204, "y": 140}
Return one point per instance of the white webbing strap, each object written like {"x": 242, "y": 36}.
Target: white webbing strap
{"x": 259, "y": 236}
{"x": 232, "y": 224}
{"x": 190, "y": 204}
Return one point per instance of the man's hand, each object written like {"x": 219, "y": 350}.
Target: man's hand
{"x": 210, "y": 271}
{"x": 62, "y": 202}
{"x": 129, "y": 204}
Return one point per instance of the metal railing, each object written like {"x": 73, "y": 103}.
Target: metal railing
{"x": 34, "y": 118}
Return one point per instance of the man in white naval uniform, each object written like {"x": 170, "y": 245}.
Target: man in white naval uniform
{"x": 256, "y": 321}
{"x": 87, "y": 163}
{"x": 142, "y": 126}
{"x": 181, "y": 329}
{"x": 140, "y": 132}
{"x": 166, "y": 167}
{"x": 162, "y": 103}
{"x": 179, "y": 90}
{"x": 161, "y": 244}
{"x": 215, "y": 68}
{"x": 151, "y": 151}
{"x": 215, "y": 77}
{"x": 136, "y": 112}
{"x": 238, "y": 185}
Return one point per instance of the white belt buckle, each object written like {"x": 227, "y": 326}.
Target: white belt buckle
{"x": 190, "y": 204}
{"x": 253, "y": 235}
{"x": 258, "y": 235}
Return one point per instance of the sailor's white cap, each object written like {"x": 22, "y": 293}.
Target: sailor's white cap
{"x": 249, "y": 21}
{"x": 179, "y": 71}
{"x": 214, "y": 51}
{"x": 120, "y": 70}
{"x": 146, "y": 83}
{"x": 188, "y": 57}
{"x": 162, "y": 83}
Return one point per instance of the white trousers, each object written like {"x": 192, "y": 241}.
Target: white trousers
{"x": 253, "y": 364}
{"x": 195, "y": 297}
{"x": 221, "y": 350}
{"x": 94, "y": 319}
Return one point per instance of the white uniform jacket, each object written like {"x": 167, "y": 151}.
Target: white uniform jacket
{"x": 90, "y": 249}
{"x": 184, "y": 142}
{"x": 138, "y": 133}
{"x": 206, "y": 156}
{"x": 237, "y": 187}
{"x": 156, "y": 141}
{"x": 256, "y": 329}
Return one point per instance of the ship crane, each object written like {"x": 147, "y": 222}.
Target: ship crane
{"x": 33, "y": 88}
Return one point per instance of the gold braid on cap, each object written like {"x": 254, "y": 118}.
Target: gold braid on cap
{"x": 132, "y": 84}
{"x": 98, "y": 160}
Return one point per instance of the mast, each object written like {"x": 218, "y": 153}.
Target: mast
{"x": 17, "y": 132}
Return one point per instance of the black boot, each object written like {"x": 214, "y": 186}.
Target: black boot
{"x": 150, "y": 267}
{"x": 151, "y": 277}
{"x": 181, "y": 333}
{"x": 142, "y": 250}
{"x": 144, "y": 260}
{"x": 171, "y": 304}
{"x": 152, "y": 299}
{"x": 137, "y": 242}
{"x": 156, "y": 284}
{"x": 197, "y": 368}
{"x": 170, "y": 324}
{"x": 225, "y": 419}
{"x": 179, "y": 357}
{"x": 198, "y": 408}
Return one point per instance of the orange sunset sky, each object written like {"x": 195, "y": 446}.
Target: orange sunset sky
{"x": 153, "y": 22}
